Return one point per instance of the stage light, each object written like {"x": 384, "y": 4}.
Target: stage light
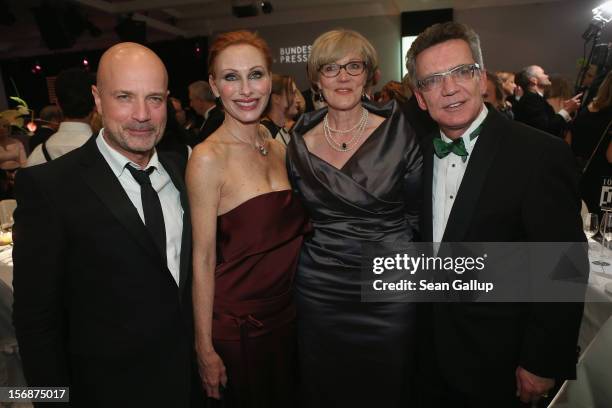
{"x": 36, "y": 68}
{"x": 85, "y": 62}
{"x": 603, "y": 12}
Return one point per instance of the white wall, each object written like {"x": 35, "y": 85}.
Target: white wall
{"x": 382, "y": 31}
{"x": 547, "y": 34}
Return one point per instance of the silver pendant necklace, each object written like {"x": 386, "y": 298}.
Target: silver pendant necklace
{"x": 260, "y": 147}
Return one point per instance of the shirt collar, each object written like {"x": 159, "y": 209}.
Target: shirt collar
{"x": 118, "y": 161}
{"x": 207, "y": 113}
{"x": 74, "y": 127}
{"x": 466, "y": 135}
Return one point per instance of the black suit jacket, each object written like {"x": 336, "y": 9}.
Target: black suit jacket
{"x": 95, "y": 307}
{"x": 533, "y": 110}
{"x": 216, "y": 116}
{"x": 520, "y": 186}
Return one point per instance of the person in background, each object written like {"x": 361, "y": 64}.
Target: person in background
{"x": 282, "y": 107}
{"x": 558, "y": 92}
{"x": 175, "y": 136}
{"x": 248, "y": 228}
{"x": 203, "y": 102}
{"x": 508, "y": 86}
{"x": 12, "y": 158}
{"x": 495, "y": 95}
{"x": 477, "y": 355}
{"x": 357, "y": 168}
{"x": 49, "y": 119}
{"x": 179, "y": 113}
{"x": 593, "y": 77}
{"x": 590, "y": 139}
{"x": 300, "y": 103}
{"x": 392, "y": 90}
{"x": 73, "y": 90}
{"x": 12, "y": 152}
{"x": 533, "y": 110}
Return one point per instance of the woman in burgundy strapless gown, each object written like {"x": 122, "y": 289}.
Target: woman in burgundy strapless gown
{"x": 247, "y": 233}
{"x": 253, "y": 324}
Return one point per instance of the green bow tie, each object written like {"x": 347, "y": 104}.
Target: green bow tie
{"x": 456, "y": 146}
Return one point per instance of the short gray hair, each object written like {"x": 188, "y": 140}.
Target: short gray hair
{"x": 51, "y": 113}
{"x": 201, "y": 89}
{"x": 437, "y": 34}
{"x": 530, "y": 71}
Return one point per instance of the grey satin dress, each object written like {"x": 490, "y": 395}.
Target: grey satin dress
{"x": 354, "y": 354}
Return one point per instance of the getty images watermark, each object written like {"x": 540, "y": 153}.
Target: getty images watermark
{"x": 475, "y": 272}
{"x": 411, "y": 265}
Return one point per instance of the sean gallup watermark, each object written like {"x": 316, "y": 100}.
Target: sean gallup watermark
{"x": 475, "y": 272}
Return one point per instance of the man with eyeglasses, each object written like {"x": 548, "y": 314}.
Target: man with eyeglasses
{"x": 487, "y": 179}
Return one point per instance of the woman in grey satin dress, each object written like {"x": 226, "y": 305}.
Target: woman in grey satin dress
{"x": 357, "y": 169}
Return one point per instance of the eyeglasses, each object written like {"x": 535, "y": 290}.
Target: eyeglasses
{"x": 461, "y": 73}
{"x": 353, "y": 68}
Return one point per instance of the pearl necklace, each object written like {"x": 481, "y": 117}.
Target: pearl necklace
{"x": 261, "y": 148}
{"x": 348, "y": 145}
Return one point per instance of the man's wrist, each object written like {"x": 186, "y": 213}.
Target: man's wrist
{"x": 565, "y": 115}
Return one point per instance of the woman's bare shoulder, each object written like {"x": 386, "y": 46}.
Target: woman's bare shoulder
{"x": 211, "y": 151}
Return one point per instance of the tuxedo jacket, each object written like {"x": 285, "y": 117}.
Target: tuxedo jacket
{"x": 533, "y": 110}
{"x": 216, "y": 116}
{"x": 96, "y": 308}
{"x": 520, "y": 185}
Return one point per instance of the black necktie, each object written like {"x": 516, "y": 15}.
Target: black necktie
{"x": 151, "y": 207}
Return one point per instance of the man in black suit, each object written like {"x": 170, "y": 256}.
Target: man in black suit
{"x": 102, "y": 271}
{"x": 499, "y": 181}
{"x": 532, "y": 108}
{"x": 202, "y": 101}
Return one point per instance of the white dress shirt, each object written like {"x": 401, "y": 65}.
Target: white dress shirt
{"x": 169, "y": 198}
{"x": 447, "y": 176}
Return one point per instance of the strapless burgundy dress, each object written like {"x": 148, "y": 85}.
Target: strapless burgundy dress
{"x": 253, "y": 313}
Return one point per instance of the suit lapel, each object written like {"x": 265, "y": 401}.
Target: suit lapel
{"x": 477, "y": 170}
{"x": 176, "y": 175}
{"x": 428, "y": 160}
{"x": 101, "y": 179}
